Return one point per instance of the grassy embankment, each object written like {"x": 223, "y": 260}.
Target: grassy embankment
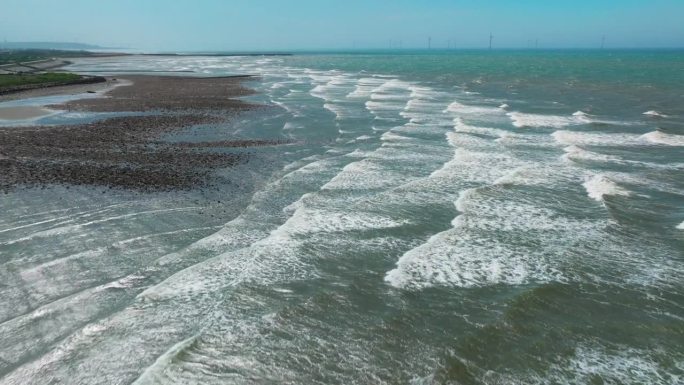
{"x": 15, "y": 80}
{"x": 20, "y": 81}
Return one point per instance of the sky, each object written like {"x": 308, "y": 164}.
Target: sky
{"x": 257, "y": 25}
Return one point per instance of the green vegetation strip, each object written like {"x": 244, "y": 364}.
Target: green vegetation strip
{"x": 28, "y": 55}
{"x": 15, "y": 80}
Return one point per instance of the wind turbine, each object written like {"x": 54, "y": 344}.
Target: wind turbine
{"x": 491, "y": 38}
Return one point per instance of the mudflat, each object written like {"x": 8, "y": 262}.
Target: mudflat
{"x": 126, "y": 151}
{"x": 22, "y": 112}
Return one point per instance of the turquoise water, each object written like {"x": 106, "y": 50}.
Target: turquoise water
{"x": 441, "y": 217}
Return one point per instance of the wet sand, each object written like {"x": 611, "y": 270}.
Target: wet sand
{"x": 23, "y": 112}
{"x": 72, "y": 89}
{"x": 126, "y": 152}
{"x": 169, "y": 93}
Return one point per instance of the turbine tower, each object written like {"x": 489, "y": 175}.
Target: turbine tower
{"x": 491, "y": 38}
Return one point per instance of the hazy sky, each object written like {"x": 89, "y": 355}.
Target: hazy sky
{"x": 339, "y": 24}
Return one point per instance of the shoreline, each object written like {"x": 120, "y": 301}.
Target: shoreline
{"x": 64, "y": 90}
{"x": 129, "y": 151}
{"x": 84, "y": 80}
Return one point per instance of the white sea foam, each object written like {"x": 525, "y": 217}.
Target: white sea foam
{"x": 460, "y": 108}
{"x": 421, "y": 112}
{"x": 418, "y": 106}
{"x": 425, "y": 93}
{"x": 306, "y": 221}
{"x": 124, "y": 283}
{"x": 474, "y": 253}
{"x": 295, "y": 112}
{"x": 469, "y": 141}
{"x": 600, "y": 185}
{"x": 364, "y": 87}
{"x": 622, "y": 366}
{"x": 449, "y": 261}
{"x": 579, "y": 138}
{"x": 522, "y": 120}
{"x": 155, "y": 373}
{"x": 527, "y": 175}
{"x": 377, "y": 107}
{"x": 391, "y": 136}
{"x": 577, "y": 153}
{"x": 319, "y": 91}
{"x": 460, "y": 126}
{"x": 463, "y": 199}
{"x": 655, "y": 114}
{"x": 336, "y": 88}
{"x": 291, "y": 126}
{"x": 394, "y": 85}
{"x": 468, "y": 166}
{"x": 389, "y": 99}
{"x": 365, "y": 175}
{"x": 680, "y": 226}
{"x": 336, "y": 109}
{"x": 659, "y": 137}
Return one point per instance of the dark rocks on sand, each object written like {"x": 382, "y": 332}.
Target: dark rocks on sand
{"x": 126, "y": 152}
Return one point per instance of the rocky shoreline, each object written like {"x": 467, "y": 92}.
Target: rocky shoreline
{"x": 126, "y": 152}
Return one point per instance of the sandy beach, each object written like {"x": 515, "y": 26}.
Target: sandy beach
{"x": 126, "y": 151}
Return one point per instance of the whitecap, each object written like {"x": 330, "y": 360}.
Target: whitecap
{"x": 522, "y": 120}
{"x": 660, "y": 137}
{"x": 460, "y": 108}
{"x": 655, "y": 114}
{"x": 471, "y": 255}
{"x": 576, "y": 153}
{"x": 461, "y": 127}
{"x": 569, "y": 138}
{"x": 600, "y": 185}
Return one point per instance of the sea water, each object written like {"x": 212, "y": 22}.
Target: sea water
{"x": 463, "y": 217}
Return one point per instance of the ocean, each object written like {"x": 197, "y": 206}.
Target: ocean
{"x": 447, "y": 217}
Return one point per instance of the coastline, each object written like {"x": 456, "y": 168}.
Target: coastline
{"x": 65, "y": 89}
{"x": 84, "y": 80}
{"x": 128, "y": 151}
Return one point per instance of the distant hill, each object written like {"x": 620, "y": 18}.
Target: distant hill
{"x": 48, "y": 45}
